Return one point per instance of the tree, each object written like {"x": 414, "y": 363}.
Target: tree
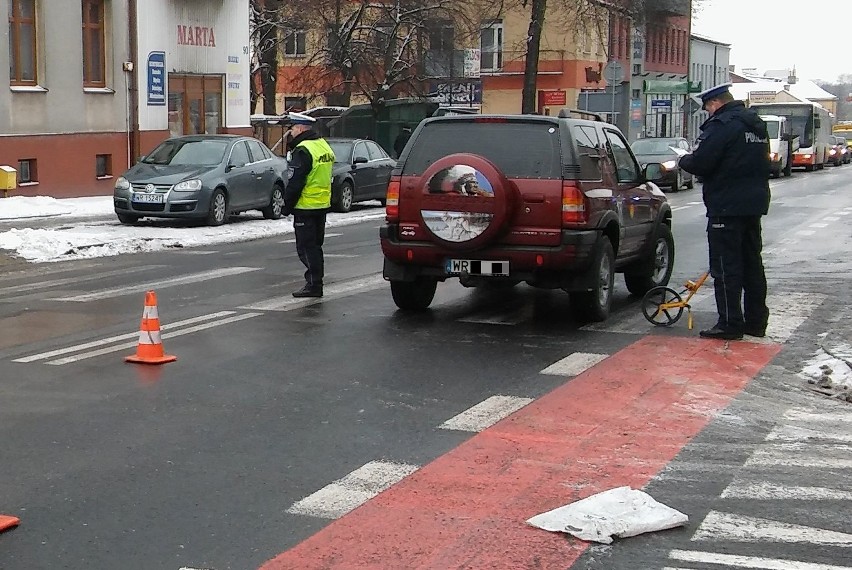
{"x": 265, "y": 25}
{"x": 383, "y": 49}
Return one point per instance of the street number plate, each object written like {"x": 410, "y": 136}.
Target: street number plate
{"x": 148, "y": 198}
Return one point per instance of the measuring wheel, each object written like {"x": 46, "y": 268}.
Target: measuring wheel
{"x": 654, "y": 309}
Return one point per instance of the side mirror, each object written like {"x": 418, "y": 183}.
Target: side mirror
{"x": 653, "y": 172}
{"x": 360, "y": 160}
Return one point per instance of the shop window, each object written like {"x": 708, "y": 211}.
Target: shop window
{"x": 27, "y": 171}
{"x": 93, "y": 44}
{"x": 294, "y": 43}
{"x": 22, "y": 42}
{"x": 195, "y": 104}
{"x": 103, "y": 165}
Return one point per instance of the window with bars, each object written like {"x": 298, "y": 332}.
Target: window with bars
{"x": 93, "y": 44}
{"x": 22, "y": 42}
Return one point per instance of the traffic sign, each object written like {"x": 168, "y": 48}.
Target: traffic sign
{"x": 613, "y": 72}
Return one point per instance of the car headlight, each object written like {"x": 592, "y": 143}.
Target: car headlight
{"x": 122, "y": 183}
{"x": 188, "y": 185}
{"x": 670, "y": 164}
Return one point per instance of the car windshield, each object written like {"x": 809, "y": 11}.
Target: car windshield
{"x": 654, "y": 146}
{"x": 342, "y": 150}
{"x": 189, "y": 152}
{"x": 772, "y": 127}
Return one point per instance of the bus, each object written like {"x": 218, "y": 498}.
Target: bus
{"x": 811, "y": 122}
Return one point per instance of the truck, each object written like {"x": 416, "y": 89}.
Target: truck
{"x": 782, "y": 144}
{"x": 811, "y": 122}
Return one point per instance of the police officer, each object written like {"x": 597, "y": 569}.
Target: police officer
{"x": 732, "y": 158}
{"x": 308, "y": 197}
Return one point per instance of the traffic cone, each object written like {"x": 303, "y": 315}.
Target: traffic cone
{"x": 7, "y": 521}
{"x": 149, "y": 350}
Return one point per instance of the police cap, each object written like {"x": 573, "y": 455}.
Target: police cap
{"x": 713, "y": 92}
{"x": 293, "y": 118}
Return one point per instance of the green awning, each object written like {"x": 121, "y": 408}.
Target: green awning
{"x": 671, "y": 87}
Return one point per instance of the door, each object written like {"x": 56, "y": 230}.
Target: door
{"x": 633, "y": 195}
{"x": 195, "y": 104}
{"x": 262, "y": 172}
{"x": 382, "y": 165}
{"x": 365, "y": 178}
{"x": 241, "y": 181}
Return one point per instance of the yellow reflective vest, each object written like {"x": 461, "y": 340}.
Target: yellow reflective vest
{"x": 316, "y": 195}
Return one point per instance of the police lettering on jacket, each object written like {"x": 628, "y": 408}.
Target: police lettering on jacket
{"x": 733, "y": 160}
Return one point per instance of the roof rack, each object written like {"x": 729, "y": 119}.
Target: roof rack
{"x": 566, "y": 113}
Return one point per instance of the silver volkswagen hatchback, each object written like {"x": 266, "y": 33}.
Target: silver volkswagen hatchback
{"x": 204, "y": 177}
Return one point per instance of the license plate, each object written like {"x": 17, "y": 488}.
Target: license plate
{"x": 148, "y": 198}
{"x": 477, "y": 267}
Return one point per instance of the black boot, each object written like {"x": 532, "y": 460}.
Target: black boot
{"x": 308, "y": 291}
{"x": 721, "y": 334}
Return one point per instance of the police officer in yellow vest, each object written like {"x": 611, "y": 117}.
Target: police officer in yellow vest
{"x": 308, "y": 197}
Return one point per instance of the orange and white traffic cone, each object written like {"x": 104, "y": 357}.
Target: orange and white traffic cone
{"x": 149, "y": 350}
{"x": 7, "y": 522}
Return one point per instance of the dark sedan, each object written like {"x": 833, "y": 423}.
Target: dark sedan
{"x": 361, "y": 172}
{"x": 666, "y": 152}
{"x": 206, "y": 177}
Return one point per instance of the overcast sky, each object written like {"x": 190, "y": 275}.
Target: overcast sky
{"x": 813, "y": 35}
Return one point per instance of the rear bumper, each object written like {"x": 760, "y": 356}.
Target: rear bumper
{"x": 556, "y": 267}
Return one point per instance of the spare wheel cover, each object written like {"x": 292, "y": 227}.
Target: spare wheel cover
{"x": 466, "y": 201}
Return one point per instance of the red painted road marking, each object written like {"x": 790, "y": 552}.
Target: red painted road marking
{"x": 617, "y": 424}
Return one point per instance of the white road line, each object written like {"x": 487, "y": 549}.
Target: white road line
{"x": 843, "y": 213}
{"x": 803, "y": 455}
{"x": 159, "y": 284}
{"x": 797, "y": 414}
{"x": 768, "y": 492}
{"x": 29, "y": 287}
{"x": 574, "y": 364}
{"x": 831, "y": 218}
{"x": 485, "y": 414}
{"x": 333, "y": 291}
{"x": 740, "y": 528}
{"x": 338, "y": 498}
{"x": 793, "y": 434}
{"x": 112, "y": 339}
{"x": 805, "y": 232}
{"x": 753, "y": 562}
{"x": 675, "y": 209}
{"x": 92, "y": 354}
{"x": 788, "y": 311}
{"x": 293, "y": 240}
{"x": 818, "y": 226}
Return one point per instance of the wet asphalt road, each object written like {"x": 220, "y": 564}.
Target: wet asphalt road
{"x": 195, "y": 463}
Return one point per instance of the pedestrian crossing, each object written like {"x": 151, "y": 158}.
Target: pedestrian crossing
{"x": 786, "y": 521}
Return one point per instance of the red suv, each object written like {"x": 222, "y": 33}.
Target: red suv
{"x": 556, "y": 202}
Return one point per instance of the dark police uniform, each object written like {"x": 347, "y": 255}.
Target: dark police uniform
{"x": 732, "y": 157}
{"x": 308, "y": 198}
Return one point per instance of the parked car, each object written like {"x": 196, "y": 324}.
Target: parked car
{"x": 207, "y": 177}
{"x": 837, "y": 151}
{"x": 564, "y": 206}
{"x": 667, "y": 152}
{"x": 361, "y": 172}
{"x": 846, "y": 149}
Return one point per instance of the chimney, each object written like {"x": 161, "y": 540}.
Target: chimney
{"x": 792, "y": 80}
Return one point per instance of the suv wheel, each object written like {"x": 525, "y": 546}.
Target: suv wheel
{"x": 594, "y": 305}
{"x": 413, "y": 295}
{"x": 657, "y": 269}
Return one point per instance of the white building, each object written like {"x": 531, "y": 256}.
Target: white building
{"x": 93, "y": 84}
{"x": 709, "y": 64}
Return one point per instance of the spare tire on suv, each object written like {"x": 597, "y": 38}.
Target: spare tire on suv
{"x": 555, "y": 202}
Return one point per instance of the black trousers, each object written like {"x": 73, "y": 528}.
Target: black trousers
{"x": 310, "y": 235}
{"x": 737, "y": 269}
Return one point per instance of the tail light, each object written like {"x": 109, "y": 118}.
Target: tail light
{"x": 573, "y": 204}
{"x": 392, "y": 203}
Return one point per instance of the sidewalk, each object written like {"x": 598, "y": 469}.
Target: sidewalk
{"x": 16, "y": 210}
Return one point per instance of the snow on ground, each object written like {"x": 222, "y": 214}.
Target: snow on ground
{"x": 105, "y": 237}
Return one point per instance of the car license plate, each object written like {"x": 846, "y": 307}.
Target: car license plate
{"x": 477, "y": 267}
{"x": 148, "y": 198}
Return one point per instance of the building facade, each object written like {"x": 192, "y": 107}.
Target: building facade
{"x": 94, "y": 84}
{"x": 709, "y": 65}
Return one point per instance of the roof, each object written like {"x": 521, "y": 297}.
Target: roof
{"x": 805, "y": 90}
{"x": 708, "y": 40}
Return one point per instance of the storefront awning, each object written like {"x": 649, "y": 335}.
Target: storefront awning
{"x": 673, "y": 87}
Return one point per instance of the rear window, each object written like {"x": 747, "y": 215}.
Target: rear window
{"x": 519, "y": 150}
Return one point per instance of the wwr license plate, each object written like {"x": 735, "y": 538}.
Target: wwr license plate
{"x": 477, "y": 267}
{"x": 148, "y": 198}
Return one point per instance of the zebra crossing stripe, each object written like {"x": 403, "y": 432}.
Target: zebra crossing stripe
{"x": 753, "y": 562}
{"x": 741, "y": 528}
